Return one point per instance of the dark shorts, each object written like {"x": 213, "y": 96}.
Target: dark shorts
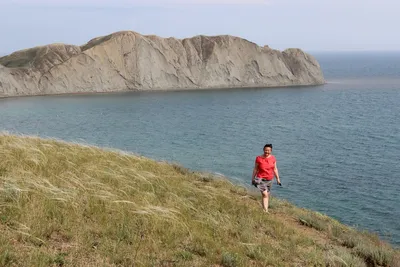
{"x": 263, "y": 184}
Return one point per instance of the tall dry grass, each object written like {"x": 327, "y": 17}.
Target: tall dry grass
{"x": 64, "y": 204}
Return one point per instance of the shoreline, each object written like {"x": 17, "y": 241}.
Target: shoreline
{"x": 188, "y": 89}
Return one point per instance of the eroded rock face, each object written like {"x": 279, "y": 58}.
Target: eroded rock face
{"x": 130, "y": 61}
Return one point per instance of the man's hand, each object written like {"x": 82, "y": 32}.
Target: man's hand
{"x": 278, "y": 181}
{"x": 253, "y": 182}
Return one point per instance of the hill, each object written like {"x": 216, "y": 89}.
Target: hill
{"x": 64, "y": 204}
{"x": 130, "y": 61}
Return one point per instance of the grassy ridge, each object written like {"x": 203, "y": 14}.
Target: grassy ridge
{"x": 64, "y": 204}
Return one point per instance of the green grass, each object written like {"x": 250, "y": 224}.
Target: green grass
{"x": 64, "y": 204}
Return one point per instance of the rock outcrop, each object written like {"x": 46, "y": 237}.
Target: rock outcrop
{"x": 130, "y": 61}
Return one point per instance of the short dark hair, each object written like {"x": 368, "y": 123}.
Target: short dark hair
{"x": 268, "y": 145}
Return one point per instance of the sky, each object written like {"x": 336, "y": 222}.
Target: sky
{"x": 312, "y": 25}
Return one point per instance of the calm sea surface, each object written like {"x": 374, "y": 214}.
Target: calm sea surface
{"x": 337, "y": 145}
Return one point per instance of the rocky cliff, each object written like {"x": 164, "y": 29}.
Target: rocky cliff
{"x": 130, "y": 61}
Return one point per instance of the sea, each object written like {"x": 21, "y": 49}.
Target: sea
{"x": 337, "y": 145}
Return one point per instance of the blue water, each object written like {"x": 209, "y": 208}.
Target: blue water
{"x": 337, "y": 145}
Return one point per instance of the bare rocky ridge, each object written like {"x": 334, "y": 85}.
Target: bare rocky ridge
{"x": 130, "y": 61}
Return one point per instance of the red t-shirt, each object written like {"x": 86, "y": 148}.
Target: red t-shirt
{"x": 266, "y": 167}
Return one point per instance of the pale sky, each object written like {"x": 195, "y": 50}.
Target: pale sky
{"x": 312, "y": 25}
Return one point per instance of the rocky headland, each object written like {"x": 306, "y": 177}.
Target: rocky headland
{"x": 127, "y": 60}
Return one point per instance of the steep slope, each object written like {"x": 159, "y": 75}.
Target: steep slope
{"x": 130, "y": 61}
{"x": 64, "y": 204}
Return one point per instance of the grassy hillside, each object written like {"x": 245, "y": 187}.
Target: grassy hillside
{"x": 65, "y": 204}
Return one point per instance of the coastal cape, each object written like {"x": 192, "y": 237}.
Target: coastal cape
{"x": 127, "y": 60}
